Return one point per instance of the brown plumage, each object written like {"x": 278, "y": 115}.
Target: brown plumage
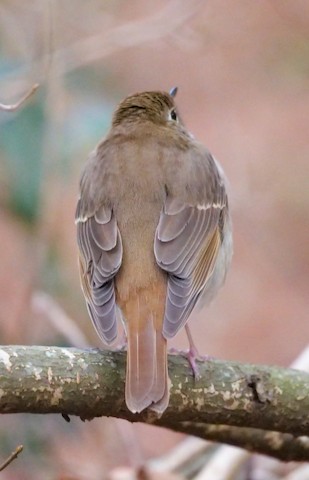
{"x": 154, "y": 235}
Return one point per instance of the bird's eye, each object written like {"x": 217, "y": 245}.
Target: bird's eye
{"x": 173, "y": 115}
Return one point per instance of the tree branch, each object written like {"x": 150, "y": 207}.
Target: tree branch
{"x": 283, "y": 446}
{"x": 11, "y": 457}
{"x": 90, "y": 383}
{"x": 15, "y": 106}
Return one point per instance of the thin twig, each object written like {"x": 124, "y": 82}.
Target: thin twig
{"x": 44, "y": 304}
{"x": 182, "y": 458}
{"x": 15, "y": 106}
{"x": 11, "y": 457}
{"x": 224, "y": 463}
{"x": 172, "y": 17}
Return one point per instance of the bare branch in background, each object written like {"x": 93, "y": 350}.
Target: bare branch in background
{"x": 252, "y": 439}
{"x": 11, "y": 457}
{"x": 224, "y": 463}
{"x": 164, "y": 23}
{"x": 184, "y": 458}
{"x": 15, "y": 106}
{"x": 44, "y": 304}
{"x": 148, "y": 29}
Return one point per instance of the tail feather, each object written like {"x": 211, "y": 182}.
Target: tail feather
{"x": 162, "y": 386}
{"x": 147, "y": 376}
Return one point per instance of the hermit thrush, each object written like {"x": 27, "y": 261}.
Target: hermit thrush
{"x": 154, "y": 236}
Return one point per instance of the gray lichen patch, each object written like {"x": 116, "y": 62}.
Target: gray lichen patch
{"x": 236, "y": 386}
{"x": 82, "y": 364}
{"x": 50, "y": 375}
{"x": 71, "y": 356}
{"x": 57, "y": 396}
{"x": 5, "y": 359}
{"x": 37, "y": 373}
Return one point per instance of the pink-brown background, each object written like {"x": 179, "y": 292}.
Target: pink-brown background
{"x": 242, "y": 69}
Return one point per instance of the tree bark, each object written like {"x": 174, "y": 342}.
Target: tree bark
{"x": 234, "y": 403}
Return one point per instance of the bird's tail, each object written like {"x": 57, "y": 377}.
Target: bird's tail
{"x": 147, "y": 375}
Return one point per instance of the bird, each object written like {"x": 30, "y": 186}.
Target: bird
{"x": 154, "y": 236}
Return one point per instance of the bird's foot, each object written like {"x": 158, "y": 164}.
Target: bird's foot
{"x": 193, "y": 356}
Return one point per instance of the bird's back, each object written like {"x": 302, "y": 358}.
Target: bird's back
{"x": 140, "y": 285}
{"x": 154, "y": 236}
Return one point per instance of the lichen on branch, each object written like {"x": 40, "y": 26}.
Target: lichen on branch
{"x": 227, "y": 397}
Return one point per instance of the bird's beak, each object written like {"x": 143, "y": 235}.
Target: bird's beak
{"x": 173, "y": 91}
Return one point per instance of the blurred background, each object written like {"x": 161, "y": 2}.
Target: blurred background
{"x": 242, "y": 69}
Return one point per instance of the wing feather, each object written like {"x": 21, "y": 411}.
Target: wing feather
{"x": 100, "y": 249}
{"x": 187, "y": 243}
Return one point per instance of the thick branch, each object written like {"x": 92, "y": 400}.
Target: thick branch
{"x": 90, "y": 383}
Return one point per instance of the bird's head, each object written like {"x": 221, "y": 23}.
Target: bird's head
{"x": 157, "y": 107}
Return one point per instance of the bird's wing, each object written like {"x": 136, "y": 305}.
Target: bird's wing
{"x": 100, "y": 255}
{"x": 187, "y": 242}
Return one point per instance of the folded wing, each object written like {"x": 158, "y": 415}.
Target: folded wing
{"x": 100, "y": 255}
{"x": 187, "y": 243}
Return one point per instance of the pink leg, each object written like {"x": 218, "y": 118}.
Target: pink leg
{"x": 192, "y": 354}
{"x": 123, "y": 343}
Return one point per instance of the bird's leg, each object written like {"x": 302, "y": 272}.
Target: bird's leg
{"x": 192, "y": 354}
{"x": 123, "y": 343}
